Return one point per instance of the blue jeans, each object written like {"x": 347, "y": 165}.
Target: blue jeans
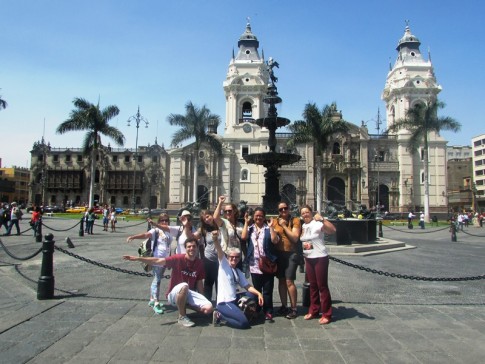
{"x": 12, "y": 223}
{"x": 233, "y": 315}
{"x": 157, "y": 278}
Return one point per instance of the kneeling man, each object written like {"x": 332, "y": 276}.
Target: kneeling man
{"x": 186, "y": 283}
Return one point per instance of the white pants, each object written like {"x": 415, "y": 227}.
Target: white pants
{"x": 195, "y": 299}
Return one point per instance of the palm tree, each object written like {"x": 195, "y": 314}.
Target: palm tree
{"x": 420, "y": 120}
{"x": 87, "y": 116}
{"x": 316, "y": 128}
{"x": 3, "y": 103}
{"x": 194, "y": 124}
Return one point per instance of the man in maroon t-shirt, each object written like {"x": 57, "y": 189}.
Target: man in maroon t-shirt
{"x": 186, "y": 283}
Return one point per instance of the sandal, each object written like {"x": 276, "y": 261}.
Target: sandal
{"x": 309, "y": 316}
{"x": 324, "y": 320}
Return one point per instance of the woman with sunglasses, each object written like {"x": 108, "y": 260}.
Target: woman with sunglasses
{"x": 288, "y": 229}
{"x": 207, "y": 231}
{"x": 161, "y": 233}
{"x": 316, "y": 263}
{"x": 231, "y": 228}
{"x": 261, "y": 238}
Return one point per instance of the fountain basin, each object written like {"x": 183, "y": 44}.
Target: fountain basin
{"x": 272, "y": 122}
{"x": 272, "y": 159}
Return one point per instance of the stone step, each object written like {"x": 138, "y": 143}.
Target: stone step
{"x": 378, "y": 247}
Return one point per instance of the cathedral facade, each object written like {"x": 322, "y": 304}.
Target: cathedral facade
{"x": 358, "y": 168}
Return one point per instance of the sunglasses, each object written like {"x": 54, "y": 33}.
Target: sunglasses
{"x": 231, "y": 257}
{"x": 227, "y": 211}
{"x": 281, "y": 209}
{"x": 164, "y": 220}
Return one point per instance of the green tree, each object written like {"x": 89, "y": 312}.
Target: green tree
{"x": 316, "y": 128}
{"x": 3, "y": 103}
{"x": 194, "y": 124}
{"x": 89, "y": 117}
{"x": 420, "y": 120}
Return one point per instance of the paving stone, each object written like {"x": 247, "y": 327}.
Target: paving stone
{"x": 376, "y": 319}
{"x": 397, "y": 357}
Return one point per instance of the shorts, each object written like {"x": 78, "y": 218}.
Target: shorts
{"x": 286, "y": 265}
{"x": 195, "y": 300}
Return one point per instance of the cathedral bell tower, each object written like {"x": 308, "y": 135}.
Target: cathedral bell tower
{"x": 412, "y": 80}
{"x": 245, "y": 86}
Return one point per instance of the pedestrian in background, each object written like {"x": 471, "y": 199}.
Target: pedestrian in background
{"x": 36, "y": 219}
{"x": 15, "y": 216}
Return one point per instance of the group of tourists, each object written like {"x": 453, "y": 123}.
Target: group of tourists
{"x": 224, "y": 254}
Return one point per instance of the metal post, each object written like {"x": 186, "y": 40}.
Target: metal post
{"x": 137, "y": 119}
{"x": 81, "y": 227}
{"x": 38, "y": 232}
{"x": 453, "y": 230}
{"x": 305, "y": 294}
{"x": 45, "y": 285}
{"x": 380, "y": 229}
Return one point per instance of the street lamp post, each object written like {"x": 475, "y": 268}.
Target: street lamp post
{"x": 137, "y": 119}
{"x": 378, "y": 202}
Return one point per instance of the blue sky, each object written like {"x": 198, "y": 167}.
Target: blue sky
{"x": 160, "y": 54}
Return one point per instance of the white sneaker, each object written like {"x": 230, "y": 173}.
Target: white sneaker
{"x": 185, "y": 321}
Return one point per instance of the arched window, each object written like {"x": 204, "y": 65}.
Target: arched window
{"x": 244, "y": 175}
{"x": 336, "y": 148}
{"x": 247, "y": 111}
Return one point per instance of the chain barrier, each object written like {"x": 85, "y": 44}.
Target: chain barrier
{"x": 11, "y": 255}
{"x": 410, "y": 231}
{"x": 116, "y": 269}
{"x": 467, "y": 233}
{"x": 125, "y": 227}
{"x": 404, "y": 276}
{"x": 60, "y": 229}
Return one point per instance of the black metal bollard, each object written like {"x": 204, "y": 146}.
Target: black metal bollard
{"x": 453, "y": 231}
{"x": 45, "y": 285}
{"x": 81, "y": 227}
{"x": 38, "y": 232}
{"x": 305, "y": 293}
{"x": 380, "y": 229}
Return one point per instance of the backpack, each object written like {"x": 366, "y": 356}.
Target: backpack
{"x": 18, "y": 212}
{"x": 147, "y": 248}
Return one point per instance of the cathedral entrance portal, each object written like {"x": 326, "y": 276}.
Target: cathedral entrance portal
{"x": 336, "y": 191}
{"x": 203, "y": 196}
{"x": 383, "y": 197}
{"x": 288, "y": 194}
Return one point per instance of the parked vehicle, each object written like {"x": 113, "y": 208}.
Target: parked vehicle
{"x": 53, "y": 208}
{"x": 156, "y": 212}
{"x": 98, "y": 210}
{"x": 76, "y": 210}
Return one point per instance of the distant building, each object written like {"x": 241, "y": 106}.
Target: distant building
{"x": 459, "y": 178}
{"x": 478, "y": 147}
{"x": 14, "y": 185}
{"x": 61, "y": 176}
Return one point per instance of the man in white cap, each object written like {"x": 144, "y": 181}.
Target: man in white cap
{"x": 15, "y": 216}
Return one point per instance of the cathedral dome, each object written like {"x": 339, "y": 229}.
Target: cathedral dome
{"x": 407, "y": 39}
{"x": 248, "y": 37}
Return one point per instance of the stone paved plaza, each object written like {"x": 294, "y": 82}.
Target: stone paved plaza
{"x": 101, "y": 316}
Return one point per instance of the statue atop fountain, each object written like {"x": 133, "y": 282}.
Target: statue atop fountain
{"x": 272, "y": 160}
